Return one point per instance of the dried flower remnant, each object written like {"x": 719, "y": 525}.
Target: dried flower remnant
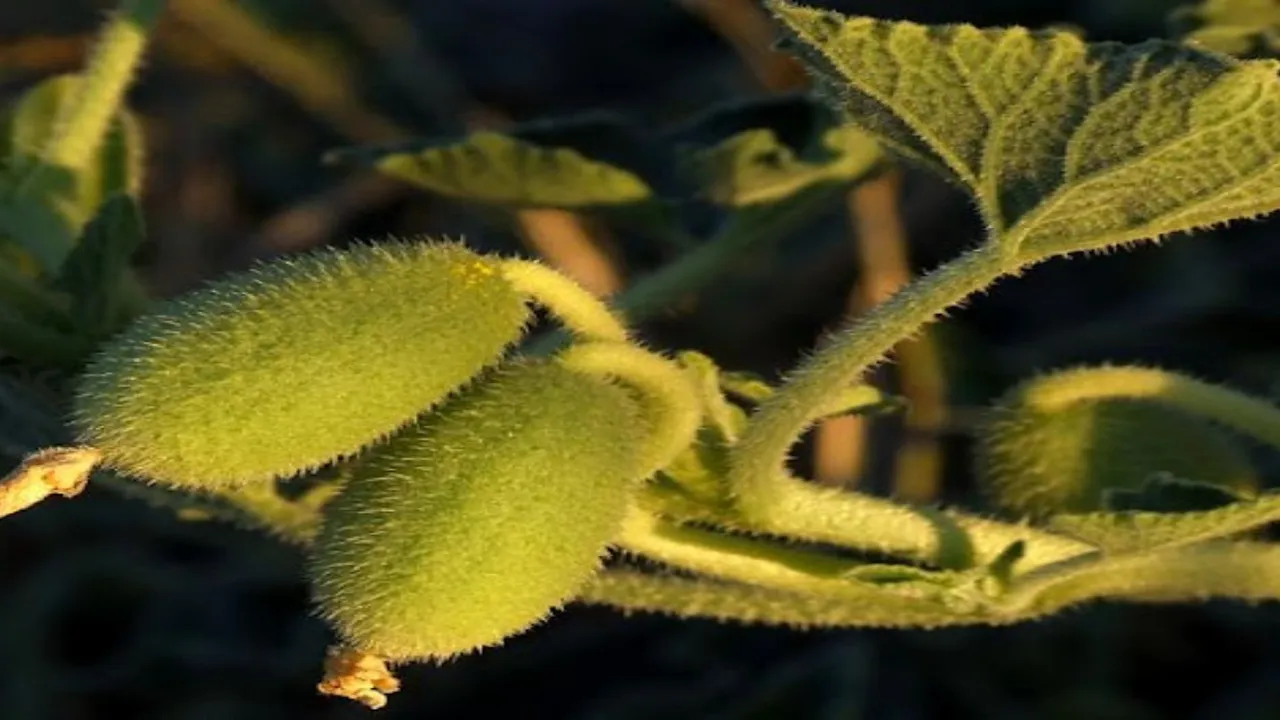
{"x": 52, "y": 471}
{"x": 358, "y": 676}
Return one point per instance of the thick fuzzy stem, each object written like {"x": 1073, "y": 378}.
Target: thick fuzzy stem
{"x": 83, "y": 123}
{"x": 580, "y": 312}
{"x": 670, "y": 398}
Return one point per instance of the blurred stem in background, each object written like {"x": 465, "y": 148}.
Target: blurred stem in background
{"x": 325, "y": 90}
{"x": 840, "y": 452}
{"x": 882, "y": 251}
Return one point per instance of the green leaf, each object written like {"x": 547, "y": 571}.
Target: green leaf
{"x": 1244, "y": 28}
{"x": 1065, "y": 145}
{"x": 1134, "y": 531}
{"x": 774, "y": 150}
{"x": 592, "y": 162}
{"x": 98, "y": 273}
{"x": 44, "y": 208}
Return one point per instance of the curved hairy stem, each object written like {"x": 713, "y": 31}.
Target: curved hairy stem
{"x": 82, "y": 123}
{"x": 1232, "y": 408}
{"x": 747, "y": 560}
{"x": 946, "y": 538}
{"x": 575, "y": 307}
{"x": 774, "y": 501}
{"x": 670, "y": 399}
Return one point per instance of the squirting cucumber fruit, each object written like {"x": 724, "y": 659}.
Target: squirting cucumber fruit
{"x": 481, "y": 519}
{"x": 297, "y": 362}
{"x": 1036, "y": 462}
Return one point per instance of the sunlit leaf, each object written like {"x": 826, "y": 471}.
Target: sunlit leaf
{"x": 1245, "y": 28}
{"x": 1065, "y": 145}
{"x": 594, "y": 162}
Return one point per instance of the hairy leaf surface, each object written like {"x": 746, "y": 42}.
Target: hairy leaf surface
{"x": 1065, "y": 145}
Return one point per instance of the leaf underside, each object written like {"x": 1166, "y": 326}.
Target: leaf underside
{"x": 1065, "y": 145}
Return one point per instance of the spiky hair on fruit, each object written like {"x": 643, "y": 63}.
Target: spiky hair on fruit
{"x": 480, "y": 520}
{"x": 1038, "y": 461}
{"x": 294, "y": 363}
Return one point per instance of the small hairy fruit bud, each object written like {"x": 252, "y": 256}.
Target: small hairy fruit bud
{"x": 1038, "y": 462}
{"x": 297, "y": 362}
{"x": 475, "y": 523}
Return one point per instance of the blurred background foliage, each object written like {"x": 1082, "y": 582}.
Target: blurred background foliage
{"x": 109, "y": 608}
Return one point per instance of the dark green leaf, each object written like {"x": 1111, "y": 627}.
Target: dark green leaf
{"x": 98, "y": 273}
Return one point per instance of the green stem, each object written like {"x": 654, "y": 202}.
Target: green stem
{"x": 1240, "y": 570}
{"x": 579, "y": 310}
{"x": 632, "y": 591}
{"x": 81, "y": 125}
{"x": 742, "y": 234}
{"x": 1232, "y": 408}
{"x": 83, "y": 122}
{"x": 1236, "y": 570}
{"x": 768, "y": 497}
{"x": 670, "y": 399}
{"x": 741, "y": 559}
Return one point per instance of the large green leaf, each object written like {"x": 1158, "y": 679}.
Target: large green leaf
{"x": 44, "y": 208}
{"x": 1065, "y": 145}
{"x": 1245, "y": 28}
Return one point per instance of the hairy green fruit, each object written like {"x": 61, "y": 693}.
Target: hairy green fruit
{"x": 1039, "y": 461}
{"x": 297, "y": 362}
{"x": 478, "y": 521}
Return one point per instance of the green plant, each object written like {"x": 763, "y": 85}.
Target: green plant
{"x": 417, "y": 555}
{"x": 471, "y": 506}
{"x": 237, "y": 382}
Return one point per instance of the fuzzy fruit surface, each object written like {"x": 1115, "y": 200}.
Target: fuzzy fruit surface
{"x": 480, "y": 520}
{"x": 282, "y": 368}
{"x": 1037, "y": 462}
